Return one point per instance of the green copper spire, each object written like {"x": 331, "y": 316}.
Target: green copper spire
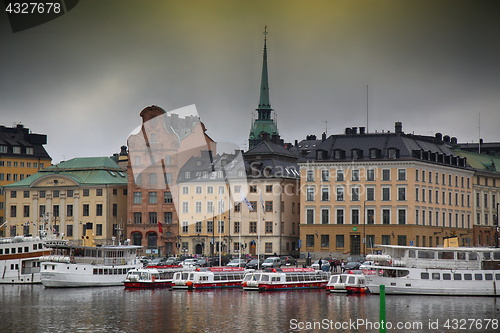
{"x": 264, "y": 84}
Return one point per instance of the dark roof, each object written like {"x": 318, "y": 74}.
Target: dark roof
{"x": 208, "y": 169}
{"x": 20, "y": 136}
{"x": 269, "y": 148}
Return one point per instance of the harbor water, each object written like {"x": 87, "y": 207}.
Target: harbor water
{"x": 116, "y": 309}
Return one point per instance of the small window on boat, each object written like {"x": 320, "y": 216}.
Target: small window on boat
{"x": 34, "y": 246}
{"x": 496, "y": 255}
{"x": 402, "y": 272}
{"x": 216, "y": 277}
{"x": 100, "y": 271}
{"x": 1, "y": 251}
{"x": 461, "y": 256}
{"x": 472, "y": 256}
{"x": 40, "y": 246}
{"x": 185, "y": 276}
{"x": 351, "y": 280}
{"x": 295, "y": 278}
{"x": 105, "y": 271}
{"x": 256, "y": 277}
{"x": 426, "y": 254}
{"x": 26, "y": 249}
{"x": 248, "y": 277}
{"x": 497, "y": 276}
{"x": 446, "y": 276}
{"x": 301, "y": 278}
{"x": 486, "y": 256}
{"x": 457, "y": 276}
{"x": 488, "y": 276}
{"x": 423, "y": 275}
{"x": 448, "y": 255}
{"x": 288, "y": 278}
{"x": 265, "y": 277}
{"x": 468, "y": 277}
{"x": 13, "y": 250}
{"x": 435, "y": 276}
{"x": 478, "y": 276}
{"x": 411, "y": 253}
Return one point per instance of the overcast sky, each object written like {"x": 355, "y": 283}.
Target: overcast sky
{"x": 83, "y": 78}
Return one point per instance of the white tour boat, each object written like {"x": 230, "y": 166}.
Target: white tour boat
{"x": 347, "y": 283}
{"x": 88, "y": 266}
{"x": 285, "y": 278}
{"x": 19, "y": 257}
{"x": 436, "y": 271}
{"x": 152, "y": 276}
{"x": 209, "y": 278}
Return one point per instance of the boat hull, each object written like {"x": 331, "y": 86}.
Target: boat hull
{"x": 148, "y": 284}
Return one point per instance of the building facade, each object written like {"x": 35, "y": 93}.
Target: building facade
{"x": 69, "y": 198}
{"x": 21, "y": 154}
{"x": 361, "y": 189}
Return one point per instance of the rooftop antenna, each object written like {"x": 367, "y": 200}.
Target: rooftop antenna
{"x": 367, "y": 109}
{"x": 326, "y": 127}
{"x": 479, "y": 144}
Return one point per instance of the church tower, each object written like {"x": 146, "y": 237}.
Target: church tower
{"x": 264, "y": 122}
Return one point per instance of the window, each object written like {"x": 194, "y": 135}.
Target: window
{"x": 402, "y": 194}
{"x": 310, "y": 175}
{"x": 168, "y": 217}
{"x": 167, "y": 197}
{"x": 210, "y": 226}
{"x": 85, "y": 210}
{"x": 69, "y": 230}
{"x": 26, "y": 194}
{"x": 26, "y": 211}
{"x": 187, "y": 175}
{"x": 416, "y": 175}
{"x": 386, "y": 174}
{"x": 401, "y": 174}
{"x": 340, "y": 194}
{"x": 416, "y": 194}
{"x": 370, "y": 216}
{"x": 340, "y": 216}
{"x": 339, "y": 240}
{"x": 13, "y": 194}
{"x": 185, "y": 227}
{"x": 386, "y": 239}
{"x": 86, "y": 192}
{"x": 269, "y": 247}
{"x": 310, "y": 216}
{"x": 253, "y": 227}
{"x": 325, "y": 194}
{"x": 98, "y": 192}
{"x": 137, "y": 197}
{"x": 355, "y": 216}
{"x": 185, "y": 190}
{"x": 42, "y": 210}
{"x": 370, "y": 175}
{"x": 153, "y": 218}
{"x": 185, "y": 207}
{"x": 386, "y": 194}
{"x": 340, "y": 175}
{"x": 370, "y": 194}
{"x": 210, "y": 189}
{"x": 221, "y": 227}
{"x": 253, "y": 189}
{"x": 354, "y": 193}
{"x": 153, "y": 197}
{"x": 98, "y": 210}
{"x": 69, "y": 210}
{"x": 269, "y": 227}
{"x": 269, "y": 206}
{"x": 198, "y": 207}
{"x": 98, "y": 229}
{"x": 236, "y": 227}
{"x": 401, "y": 216}
{"x": 325, "y": 175}
{"x": 269, "y": 188}
{"x": 310, "y": 193}
{"x": 386, "y": 216}
{"x": 355, "y": 175}
{"x": 197, "y": 227}
{"x": 221, "y": 189}
{"x": 423, "y": 176}
{"x": 402, "y": 240}
{"x": 309, "y": 240}
{"x": 69, "y": 193}
{"x": 325, "y": 240}
{"x": 325, "y": 216}
{"x": 430, "y": 177}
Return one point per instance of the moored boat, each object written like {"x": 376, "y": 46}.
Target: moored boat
{"x": 285, "y": 278}
{"x": 347, "y": 283}
{"x": 209, "y": 278}
{"x": 151, "y": 276}
{"x": 437, "y": 271}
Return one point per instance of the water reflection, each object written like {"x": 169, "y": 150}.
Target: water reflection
{"x": 114, "y": 309}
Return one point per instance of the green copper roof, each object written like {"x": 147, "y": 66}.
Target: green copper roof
{"x": 83, "y": 170}
{"x": 480, "y": 162}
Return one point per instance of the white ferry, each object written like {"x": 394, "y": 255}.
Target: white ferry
{"x": 19, "y": 257}
{"x": 347, "y": 283}
{"x": 152, "y": 276}
{"x": 88, "y": 266}
{"x": 285, "y": 278}
{"x": 436, "y": 271}
{"x": 209, "y": 278}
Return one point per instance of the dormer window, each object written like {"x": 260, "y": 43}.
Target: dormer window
{"x": 3, "y": 149}
{"x": 16, "y": 150}
{"x": 187, "y": 174}
{"x": 393, "y": 153}
{"x": 338, "y": 154}
{"x": 374, "y": 153}
{"x": 198, "y": 163}
{"x": 29, "y": 151}
{"x": 356, "y": 154}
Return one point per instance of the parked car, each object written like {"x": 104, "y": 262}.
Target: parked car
{"x": 254, "y": 264}
{"x": 359, "y": 259}
{"x": 288, "y": 260}
{"x": 272, "y": 262}
{"x": 237, "y": 263}
{"x": 157, "y": 262}
{"x": 191, "y": 262}
{"x": 325, "y": 265}
{"x": 173, "y": 261}
{"x": 202, "y": 262}
{"x": 351, "y": 265}
{"x": 366, "y": 264}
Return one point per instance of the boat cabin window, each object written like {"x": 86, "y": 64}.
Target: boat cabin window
{"x": 448, "y": 255}
{"x": 288, "y": 278}
{"x": 256, "y": 277}
{"x": 343, "y": 278}
{"x": 276, "y": 278}
{"x": 472, "y": 256}
{"x": 446, "y": 276}
{"x": 457, "y": 276}
{"x": 497, "y": 276}
{"x": 184, "y": 276}
{"x": 265, "y": 277}
{"x": 334, "y": 278}
{"x": 352, "y": 280}
{"x": 478, "y": 276}
{"x": 435, "y": 276}
{"x": 486, "y": 256}
{"x": 248, "y": 277}
{"x": 488, "y": 276}
{"x": 295, "y": 278}
{"x": 422, "y": 254}
{"x": 223, "y": 278}
{"x": 468, "y": 277}
{"x": 496, "y": 255}
{"x": 461, "y": 256}
{"x": 402, "y": 272}
{"x": 411, "y": 253}
{"x": 301, "y": 277}
{"x": 424, "y": 275}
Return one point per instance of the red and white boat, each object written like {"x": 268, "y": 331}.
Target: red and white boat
{"x": 151, "y": 276}
{"x": 347, "y": 283}
{"x": 209, "y": 278}
{"x": 286, "y": 278}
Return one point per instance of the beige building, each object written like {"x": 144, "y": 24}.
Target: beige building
{"x": 360, "y": 190}
{"x": 70, "y": 198}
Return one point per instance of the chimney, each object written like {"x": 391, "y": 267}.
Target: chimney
{"x": 354, "y": 130}
{"x": 123, "y": 151}
{"x": 347, "y": 130}
{"x": 454, "y": 140}
{"x": 439, "y": 137}
{"x": 296, "y": 143}
{"x": 480, "y": 141}
{"x": 398, "y": 127}
{"x": 362, "y": 130}
{"x": 275, "y": 138}
{"x": 323, "y": 136}
{"x": 446, "y": 138}
{"x": 265, "y": 136}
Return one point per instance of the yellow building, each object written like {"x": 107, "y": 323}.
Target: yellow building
{"x": 21, "y": 155}
{"x": 70, "y": 198}
{"x": 361, "y": 189}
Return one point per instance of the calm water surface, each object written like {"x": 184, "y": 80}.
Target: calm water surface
{"x": 114, "y": 309}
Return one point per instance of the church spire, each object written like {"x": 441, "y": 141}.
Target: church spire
{"x": 264, "y": 103}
